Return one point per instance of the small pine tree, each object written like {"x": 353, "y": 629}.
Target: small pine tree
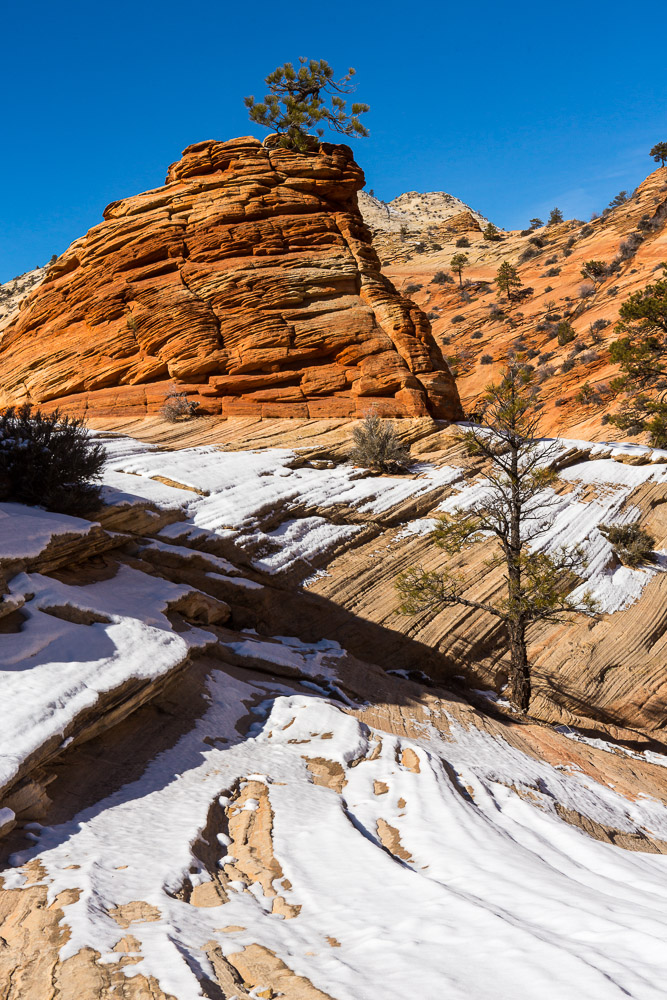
{"x": 555, "y": 218}
{"x": 659, "y": 153}
{"x": 458, "y": 264}
{"x": 512, "y": 514}
{"x": 596, "y": 270}
{"x": 378, "y": 447}
{"x": 536, "y": 223}
{"x": 296, "y": 104}
{"x": 491, "y": 233}
{"x": 620, "y": 199}
{"x": 507, "y": 278}
{"x": 641, "y": 352}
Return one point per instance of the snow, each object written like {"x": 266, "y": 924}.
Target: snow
{"x": 483, "y": 907}
{"x": 54, "y": 671}
{"x": 495, "y": 896}
{"x": 26, "y": 531}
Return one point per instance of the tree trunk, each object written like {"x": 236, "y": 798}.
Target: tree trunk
{"x": 519, "y": 681}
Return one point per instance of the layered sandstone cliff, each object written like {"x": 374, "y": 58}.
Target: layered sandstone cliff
{"x": 248, "y": 281}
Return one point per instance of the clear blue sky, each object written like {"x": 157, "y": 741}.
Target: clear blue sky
{"x": 512, "y": 107}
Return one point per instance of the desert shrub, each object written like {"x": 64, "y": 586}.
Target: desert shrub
{"x": 458, "y": 319}
{"x": 632, "y": 544}
{"x": 629, "y": 246}
{"x": 486, "y": 359}
{"x": 440, "y": 278}
{"x": 528, "y": 253}
{"x": 465, "y": 296}
{"x": 48, "y": 460}
{"x": 571, "y": 240}
{"x": 553, "y": 317}
{"x": 561, "y": 401}
{"x": 476, "y": 335}
{"x": 568, "y": 365}
{"x": 544, "y": 357}
{"x": 613, "y": 291}
{"x": 567, "y": 252}
{"x": 599, "y": 324}
{"x": 377, "y": 446}
{"x": 537, "y": 241}
{"x": 648, "y": 225}
{"x": 544, "y": 372}
{"x": 586, "y": 290}
{"x": 549, "y": 288}
{"x": 532, "y": 353}
{"x": 463, "y": 241}
{"x": 588, "y": 357}
{"x": 432, "y": 315}
{"x": 552, "y": 260}
{"x": 565, "y": 333}
{"x": 578, "y": 347}
{"x": 177, "y": 407}
{"x": 553, "y": 272}
{"x": 495, "y": 312}
{"x": 412, "y": 288}
{"x": 586, "y": 231}
{"x": 446, "y": 340}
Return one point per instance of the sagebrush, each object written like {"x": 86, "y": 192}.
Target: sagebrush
{"x": 377, "y": 446}
{"x": 632, "y": 544}
{"x": 177, "y": 407}
{"x": 48, "y": 460}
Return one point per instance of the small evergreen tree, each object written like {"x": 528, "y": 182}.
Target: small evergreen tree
{"x": 514, "y": 511}
{"x": 296, "y": 104}
{"x": 659, "y": 153}
{"x": 536, "y": 223}
{"x": 491, "y": 233}
{"x": 507, "y": 278}
{"x": 641, "y": 352}
{"x": 620, "y": 199}
{"x": 555, "y": 218}
{"x": 596, "y": 270}
{"x": 458, "y": 263}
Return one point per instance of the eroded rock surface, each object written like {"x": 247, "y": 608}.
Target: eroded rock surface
{"x": 248, "y": 281}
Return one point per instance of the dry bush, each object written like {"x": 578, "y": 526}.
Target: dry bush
{"x": 632, "y": 544}
{"x": 378, "y": 447}
{"x": 178, "y": 407}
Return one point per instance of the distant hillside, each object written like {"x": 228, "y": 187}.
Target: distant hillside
{"x": 13, "y": 292}
{"x": 413, "y": 210}
{"x": 478, "y": 330}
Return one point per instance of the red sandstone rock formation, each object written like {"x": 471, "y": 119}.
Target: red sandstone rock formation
{"x": 247, "y": 281}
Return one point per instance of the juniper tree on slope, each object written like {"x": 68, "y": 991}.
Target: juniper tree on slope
{"x": 296, "y": 104}
{"x": 507, "y": 278}
{"x": 641, "y": 352}
{"x": 512, "y": 514}
{"x": 659, "y": 153}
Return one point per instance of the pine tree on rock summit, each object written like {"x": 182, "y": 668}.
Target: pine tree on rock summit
{"x": 659, "y": 153}
{"x": 297, "y": 104}
{"x": 512, "y": 514}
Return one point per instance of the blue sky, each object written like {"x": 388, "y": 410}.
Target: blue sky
{"x": 514, "y": 108}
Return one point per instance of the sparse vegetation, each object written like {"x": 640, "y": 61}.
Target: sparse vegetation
{"x": 178, "y": 407}
{"x": 458, "y": 264}
{"x": 565, "y": 333}
{"x": 441, "y": 278}
{"x": 463, "y": 241}
{"x": 632, "y": 545}
{"x": 555, "y": 218}
{"x": 296, "y": 103}
{"x": 595, "y": 270}
{"x": 491, "y": 233}
{"x": 507, "y": 278}
{"x": 536, "y": 223}
{"x": 515, "y": 512}
{"x": 48, "y": 460}
{"x": 378, "y": 447}
{"x": 641, "y": 352}
{"x": 486, "y": 359}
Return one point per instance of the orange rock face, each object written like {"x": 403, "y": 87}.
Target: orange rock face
{"x": 248, "y": 281}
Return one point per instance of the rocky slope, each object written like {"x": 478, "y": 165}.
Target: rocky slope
{"x": 248, "y": 282}
{"x": 225, "y": 757}
{"x": 478, "y": 329}
{"x": 413, "y": 211}
{"x": 13, "y": 292}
